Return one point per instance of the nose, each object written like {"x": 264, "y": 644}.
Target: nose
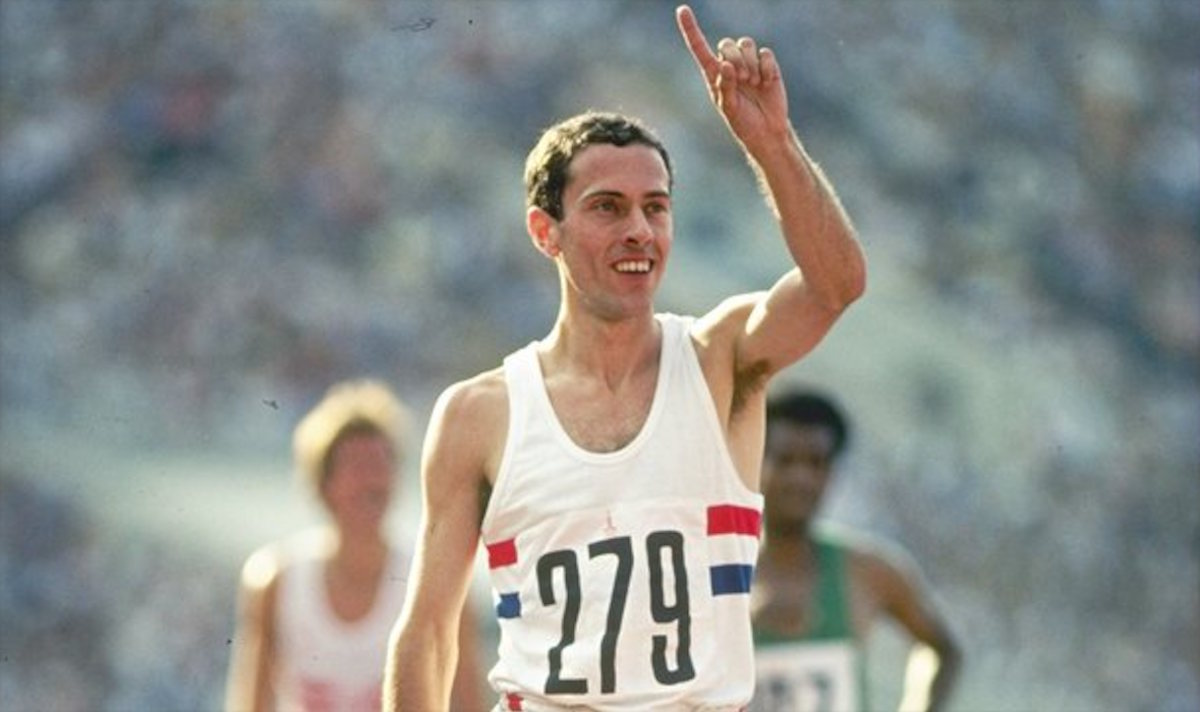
{"x": 638, "y": 232}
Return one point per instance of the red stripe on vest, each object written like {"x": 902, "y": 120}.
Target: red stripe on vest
{"x": 502, "y": 553}
{"x": 731, "y": 519}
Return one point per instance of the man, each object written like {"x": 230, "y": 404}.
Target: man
{"x": 316, "y": 609}
{"x": 816, "y": 594}
{"x": 611, "y": 469}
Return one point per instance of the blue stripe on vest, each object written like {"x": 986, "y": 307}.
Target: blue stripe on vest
{"x": 509, "y": 606}
{"x": 730, "y": 578}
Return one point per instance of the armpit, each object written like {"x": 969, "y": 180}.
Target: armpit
{"x": 747, "y": 381}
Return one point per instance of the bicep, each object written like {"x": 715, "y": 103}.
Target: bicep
{"x": 442, "y": 568}
{"x": 784, "y": 324}
{"x": 451, "y": 477}
{"x": 750, "y": 337}
{"x": 249, "y": 685}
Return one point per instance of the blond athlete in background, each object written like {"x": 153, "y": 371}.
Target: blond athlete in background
{"x": 611, "y": 468}
{"x": 315, "y": 609}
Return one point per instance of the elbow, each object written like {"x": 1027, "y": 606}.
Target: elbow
{"x": 855, "y": 286}
{"x": 857, "y": 283}
{"x": 849, "y": 289}
{"x": 856, "y": 278}
{"x": 952, "y": 655}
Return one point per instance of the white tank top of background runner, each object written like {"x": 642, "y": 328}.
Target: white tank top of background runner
{"x": 326, "y": 663}
{"x": 621, "y": 579}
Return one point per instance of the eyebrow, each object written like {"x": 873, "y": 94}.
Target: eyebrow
{"x": 654, "y": 194}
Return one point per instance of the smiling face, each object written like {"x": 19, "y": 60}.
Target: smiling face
{"x": 615, "y": 234}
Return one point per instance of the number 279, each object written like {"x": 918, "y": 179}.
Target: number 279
{"x": 657, "y": 543}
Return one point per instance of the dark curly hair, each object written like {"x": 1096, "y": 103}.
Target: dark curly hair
{"x": 547, "y": 165}
{"x": 807, "y": 407}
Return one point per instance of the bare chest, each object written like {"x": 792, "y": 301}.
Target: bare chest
{"x": 784, "y": 603}
{"x": 788, "y": 602}
{"x": 602, "y": 420}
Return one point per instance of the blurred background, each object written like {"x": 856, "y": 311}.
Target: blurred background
{"x": 210, "y": 211}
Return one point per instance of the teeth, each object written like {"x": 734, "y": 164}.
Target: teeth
{"x": 633, "y": 266}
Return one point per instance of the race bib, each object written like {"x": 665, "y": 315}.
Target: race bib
{"x": 806, "y": 677}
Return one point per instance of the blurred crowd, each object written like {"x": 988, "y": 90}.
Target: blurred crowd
{"x": 209, "y": 207}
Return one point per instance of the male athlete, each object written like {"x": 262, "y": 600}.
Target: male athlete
{"x": 611, "y": 468}
{"x": 817, "y": 591}
{"x": 315, "y": 608}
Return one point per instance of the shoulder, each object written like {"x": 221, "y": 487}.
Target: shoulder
{"x": 264, "y": 566}
{"x": 724, "y": 323}
{"x": 876, "y": 562}
{"x": 474, "y": 406}
{"x": 268, "y": 564}
{"x": 470, "y": 421}
{"x": 261, "y": 574}
{"x": 718, "y": 335}
{"x": 487, "y": 391}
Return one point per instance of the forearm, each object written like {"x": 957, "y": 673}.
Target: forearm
{"x": 419, "y": 672}
{"x": 815, "y": 227}
{"x": 249, "y": 688}
{"x": 243, "y": 693}
{"x": 467, "y": 691}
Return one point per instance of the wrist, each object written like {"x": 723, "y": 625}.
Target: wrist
{"x": 775, "y": 145}
{"x": 780, "y": 155}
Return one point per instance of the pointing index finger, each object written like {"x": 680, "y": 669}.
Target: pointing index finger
{"x": 697, "y": 43}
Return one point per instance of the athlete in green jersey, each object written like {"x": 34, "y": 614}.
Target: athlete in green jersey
{"x": 816, "y": 594}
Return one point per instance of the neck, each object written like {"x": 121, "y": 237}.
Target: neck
{"x": 609, "y": 350}
{"x": 789, "y": 544}
{"x": 358, "y": 552}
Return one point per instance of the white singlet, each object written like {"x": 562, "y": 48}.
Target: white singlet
{"x": 325, "y": 663}
{"x": 621, "y": 579}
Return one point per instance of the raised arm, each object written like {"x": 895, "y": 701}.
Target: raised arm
{"x": 423, "y": 651}
{"x": 779, "y": 326}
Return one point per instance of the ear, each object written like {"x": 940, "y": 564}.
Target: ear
{"x": 543, "y": 231}
{"x": 323, "y": 495}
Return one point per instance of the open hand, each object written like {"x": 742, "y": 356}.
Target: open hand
{"x": 744, "y": 82}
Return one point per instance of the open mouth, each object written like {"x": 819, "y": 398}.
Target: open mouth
{"x": 642, "y": 266}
